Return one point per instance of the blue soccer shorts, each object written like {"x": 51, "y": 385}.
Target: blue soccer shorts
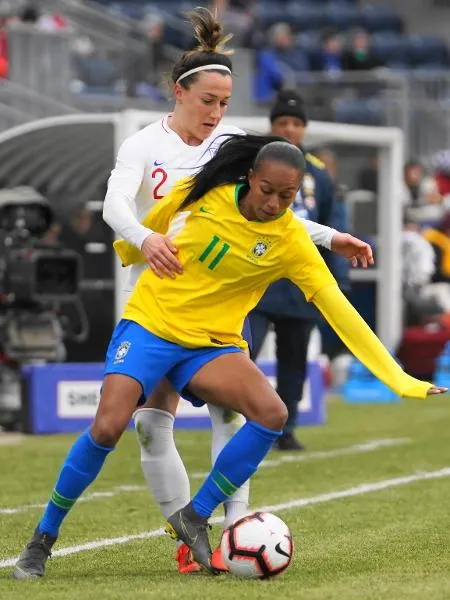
{"x": 136, "y": 352}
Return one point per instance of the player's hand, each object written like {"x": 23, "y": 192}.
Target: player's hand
{"x": 160, "y": 254}
{"x": 352, "y": 248}
{"x": 436, "y": 390}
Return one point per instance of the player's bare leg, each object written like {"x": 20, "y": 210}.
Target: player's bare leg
{"x": 83, "y": 463}
{"x": 230, "y": 381}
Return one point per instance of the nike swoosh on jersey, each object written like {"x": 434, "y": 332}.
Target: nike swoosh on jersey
{"x": 280, "y": 550}
{"x": 205, "y": 210}
{"x": 158, "y": 164}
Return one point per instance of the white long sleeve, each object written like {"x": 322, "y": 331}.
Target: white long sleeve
{"x": 119, "y": 208}
{"x": 321, "y": 235}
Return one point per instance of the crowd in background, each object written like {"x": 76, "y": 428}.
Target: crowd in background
{"x": 29, "y": 14}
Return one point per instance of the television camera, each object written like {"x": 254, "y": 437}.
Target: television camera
{"x": 36, "y": 279}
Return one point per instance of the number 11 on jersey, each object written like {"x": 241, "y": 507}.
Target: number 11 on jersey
{"x": 210, "y": 247}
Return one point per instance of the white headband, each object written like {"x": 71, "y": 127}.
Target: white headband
{"x": 204, "y": 68}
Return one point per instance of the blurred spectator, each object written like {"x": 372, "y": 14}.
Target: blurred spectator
{"x": 441, "y": 164}
{"x": 330, "y": 162}
{"x": 418, "y": 189}
{"x": 238, "y": 19}
{"x": 330, "y": 58}
{"x": 29, "y": 14}
{"x": 145, "y": 71}
{"x": 273, "y": 62}
{"x": 359, "y": 57}
{"x": 418, "y": 268}
{"x": 418, "y": 256}
{"x": 368, "y": 176}
{"x": 439, "y": 238}
{"x": 53, "y": 22}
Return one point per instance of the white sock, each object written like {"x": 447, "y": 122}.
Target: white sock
{"x": 224, "y": 424}
{"x": 162, "y": 466}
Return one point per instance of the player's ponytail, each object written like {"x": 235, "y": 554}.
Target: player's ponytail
{"x": 236, "y": 156}
{"x": 211, "y": 49}
{"x": 208, "y": 32}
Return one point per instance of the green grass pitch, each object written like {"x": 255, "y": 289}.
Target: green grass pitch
{"x": 390, "y": 541}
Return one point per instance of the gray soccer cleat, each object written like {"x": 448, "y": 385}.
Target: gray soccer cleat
{"x": 31, "y": 563}
{"x": 189, "y": 527}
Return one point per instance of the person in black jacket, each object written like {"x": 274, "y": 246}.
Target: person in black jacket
{"x": 360, "y": 56}
{"x": 283, "y": 304}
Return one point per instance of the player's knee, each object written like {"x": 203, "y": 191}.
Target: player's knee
{"x": 274, "y": 415}
{"x": 106, "y": 432}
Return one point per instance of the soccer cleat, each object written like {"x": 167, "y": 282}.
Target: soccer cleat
{"x": 187, "y": 526}
{"x": 31, "y": 563}
{"x": 186, "y": 566}
{"x": 217, "y": 561}
{"x": 288, "y": 442}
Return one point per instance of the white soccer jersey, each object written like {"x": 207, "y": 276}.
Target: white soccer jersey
{"x": 149, "y": 162}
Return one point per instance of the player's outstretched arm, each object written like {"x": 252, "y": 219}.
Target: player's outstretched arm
{"x": 352, "y": 248}
{"x": 365, "y": 345}
{"x": 343, "y": 244}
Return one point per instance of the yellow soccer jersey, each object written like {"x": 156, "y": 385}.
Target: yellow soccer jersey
{"x": 228, "y": 263}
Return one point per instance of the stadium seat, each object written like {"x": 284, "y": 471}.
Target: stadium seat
{"x": 308, "y": 40}
{"x": 359, "y": 111}
{"x": 380, "y": 18}
{"x": 428, "y": 50}
{"x": 341, "y": 2}
{"x": 391, "y": 47}
{"x": 98, "y": 72}
{"x": 268, "y": 15}
{"x": 305, "y": 17}
{"x": 343, "y": 15}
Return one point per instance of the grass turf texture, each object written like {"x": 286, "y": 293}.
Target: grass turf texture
{"x": 391, "y": 544}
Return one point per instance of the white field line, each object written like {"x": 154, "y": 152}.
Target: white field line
{"x": 362, "y": 488}
{"x": 11, "y": 439}
{"x": 369, "y": 446}
{"x": 356, "y": 449}
{"x": 120, "y": 489}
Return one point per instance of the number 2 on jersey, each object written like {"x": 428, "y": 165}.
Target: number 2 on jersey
{"x": 162, "y": 176}
{"x": 209, "y": 248}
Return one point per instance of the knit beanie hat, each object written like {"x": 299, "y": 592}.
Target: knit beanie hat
{"x": 290, "y": 104}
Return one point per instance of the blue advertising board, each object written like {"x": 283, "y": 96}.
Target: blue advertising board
{"x": 63, "y": 397}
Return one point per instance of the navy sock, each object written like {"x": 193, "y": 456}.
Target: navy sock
{"x": 236, "y": 463}
{"x": 81, "y": 467}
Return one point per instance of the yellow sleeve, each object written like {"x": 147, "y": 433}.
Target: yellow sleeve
{"x": 364, "y": 344}
{"x": 303, "y": 263}
{"x": 157, "y": 219}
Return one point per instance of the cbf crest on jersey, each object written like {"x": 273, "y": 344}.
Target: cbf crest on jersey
{"x": 260, "y": 247}
{"x": 122, "y": 351}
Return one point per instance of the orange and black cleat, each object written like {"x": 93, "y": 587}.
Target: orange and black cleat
{"x": 186, "y": 565}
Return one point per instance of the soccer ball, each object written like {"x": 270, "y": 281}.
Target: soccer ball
{"x": 257, "y": 546}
